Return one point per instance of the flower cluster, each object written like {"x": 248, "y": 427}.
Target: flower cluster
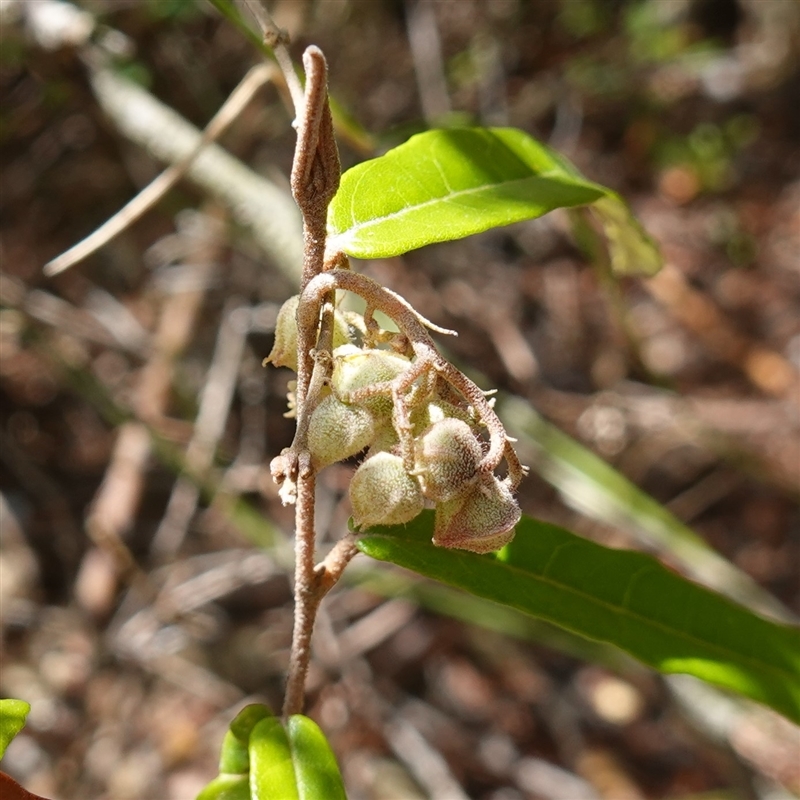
{"x": 424, "y": 443}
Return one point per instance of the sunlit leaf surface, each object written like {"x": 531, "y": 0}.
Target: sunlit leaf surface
{"x": 12, "y": 720}
{"x": 450, "y": 183}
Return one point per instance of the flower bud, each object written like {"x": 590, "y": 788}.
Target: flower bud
{"x": 337, "y": 431}
{"x": 284, "y": 349}
{"x": 481, "y": 520}
{"x": 383, "y": 493}
{"x": 385, "y": 439}
{"x": 446, "y": 459}
{"x": 354, "y": 369}
{"x": 426, "y": 414}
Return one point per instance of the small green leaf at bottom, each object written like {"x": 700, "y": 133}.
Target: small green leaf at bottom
{"x": 314, "y": 763}
{"x": 272, "y": 775}
{"x": 12, "y": 720}
{"x": 227, "y": 787}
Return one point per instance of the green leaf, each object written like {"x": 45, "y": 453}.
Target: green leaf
{"x": 12, "y": 720}
{"x": 314, "y": 763}
{"x": 600, "y": 491}
{"x": 631, "y": 250}
{"x": 226, "y": 787}
{"x": 243, "y": 723}
{"x": 620, "y": 597}
{"x": 447, "y": 184}
{"x": 263, "y": 760}
{"x": 234, "y": 758}
{"x": 450, "y": 183}
{"x": 272, "y": 775}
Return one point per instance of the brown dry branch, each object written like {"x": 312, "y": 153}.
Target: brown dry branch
{"x": 257, "y": 77}
{"x": 255, "y": 202}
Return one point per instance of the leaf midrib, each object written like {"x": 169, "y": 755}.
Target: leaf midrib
{"x": 357, "y": 227}
{"x": 783, "y": 672}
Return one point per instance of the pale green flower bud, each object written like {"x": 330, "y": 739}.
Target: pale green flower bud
{"x": 354, "y": 369}
{"x": 446, "y": 459}
{"x": 427, "y": 414}
{"x": 383, "y": 493}
{"x": 481, "y": 520}
{"x": 284, "y": 349}
{"x": 337, "y": 431}
{"x": 385, "y": 438}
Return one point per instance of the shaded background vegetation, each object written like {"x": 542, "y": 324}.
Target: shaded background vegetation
{"x": 137, "y": 616}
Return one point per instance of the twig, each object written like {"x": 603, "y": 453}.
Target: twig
{"x": 278, "y": 39}
{"x": 306, "y": 598}
{"x": 315, "y": 179}
{"x": 266, "y": 209}
{"x": 154, "y": 191}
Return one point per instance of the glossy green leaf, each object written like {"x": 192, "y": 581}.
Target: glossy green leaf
{"x": 597, "y": 489}
{"x": 261, "y": 759}
{"x": 620, "y": 597}
{"x": 315, "y": 765}
{"x": 447, "y": 184}
{"x": 243, "y": 723}
{"x": 226, "y": 787}
{"x": 272, "y": 775}
{"x": 12, "y": 720}
{"x": 234, "y": 758}
{"x": 450, "y": 183}
{"x": 631, "y": 250}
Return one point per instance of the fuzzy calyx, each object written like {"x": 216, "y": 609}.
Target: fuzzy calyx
{"x": 383, "y": 493}
{"x": 446, "y": 459}
{"x": 481, "y": 520}
{"x": 337, "y": 431}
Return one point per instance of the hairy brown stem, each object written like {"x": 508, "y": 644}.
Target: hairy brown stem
{"x": 306, "y": 601}
{"x": 315, "y": 179}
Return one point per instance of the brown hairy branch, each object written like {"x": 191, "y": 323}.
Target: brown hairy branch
{"x": 315, "y": 179}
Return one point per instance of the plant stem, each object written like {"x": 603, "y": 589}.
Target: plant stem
{"x": 315, "y": 179}
{"x": 306, "y": 597}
